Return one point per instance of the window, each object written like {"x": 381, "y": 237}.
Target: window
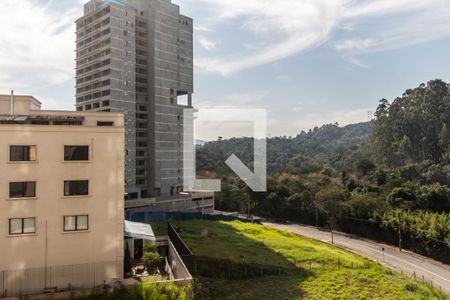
{"x": 68, "y": 123}
{"x": 76, "y": 223}
{"x": 103, "y": 123}
{"x": 22, "y": 153}
{"x": 39, "y": 122}
{"x": 22, "y": 226}
{"x": 76, "y": 153}
{"x": 76, "y": 188}
{"x": 22, "y": 189}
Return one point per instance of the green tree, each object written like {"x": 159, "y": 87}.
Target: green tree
{"x": 444, "y": 142}
{"x": 329, "y": 202}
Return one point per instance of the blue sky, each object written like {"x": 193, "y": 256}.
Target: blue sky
{"x": 307, "y": 62}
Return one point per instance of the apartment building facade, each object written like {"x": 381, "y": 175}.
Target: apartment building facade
{"x": 136, "y": 56}
{"x": 61, "y": 197}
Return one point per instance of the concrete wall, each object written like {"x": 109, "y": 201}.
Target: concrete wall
{"x": 21, "y": 104}
{"x": 179, "y": 270}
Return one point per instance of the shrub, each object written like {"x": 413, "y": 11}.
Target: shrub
{"x": 411, "y": 287}
{"x": 151, "y": 261}
{"x": 150, "y": 247}
{"x": 146, "y": 291}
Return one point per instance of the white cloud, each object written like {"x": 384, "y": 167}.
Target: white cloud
{"x": 356, "y": 44}
{"x": 37, "y": 44}
{"x": 207, "y": 44}
{"x": 285, "y": 28}
{"x": 290, "y": 26}
{"x": 202, "y": 29}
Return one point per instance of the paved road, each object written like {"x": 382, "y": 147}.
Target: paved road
{"x": 408, "y": 263}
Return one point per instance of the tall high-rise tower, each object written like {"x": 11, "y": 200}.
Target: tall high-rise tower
{"x": 136, "y": 56}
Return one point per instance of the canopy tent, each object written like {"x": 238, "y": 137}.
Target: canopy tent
{"x": 139, "y": 231}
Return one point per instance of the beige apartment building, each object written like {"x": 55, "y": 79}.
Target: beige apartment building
{"x": 61, "y": 197}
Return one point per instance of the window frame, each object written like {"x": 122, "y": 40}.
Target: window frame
{"x": 23, "y": 226}
{"x": 25, "y": 189}
{"x": 76, "y": 195}
{"x": 105, "y": 123}
{"x": 76, "y": 223}
{"x": 23, "y": 154}
{"x": 76, "y": 160}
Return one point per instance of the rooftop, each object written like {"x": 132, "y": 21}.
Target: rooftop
{"x": 25, "y": 109}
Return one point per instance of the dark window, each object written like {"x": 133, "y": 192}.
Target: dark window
{"x": 76, "y": 153}
{"x": 22, "y": 153}
{"x": 22, "y": 226}
{"x": 76, "y": 188}
{"x": 22, "y": 189}
{"x": 102, "y": 123}
{"x": 76, "y": 223}
{"x": 68, "y": 123}
{"x": 39, "y": 122}
{"x": 105, "y": 103}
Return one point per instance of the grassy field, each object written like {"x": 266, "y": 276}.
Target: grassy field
{"x": 345, "y": 276}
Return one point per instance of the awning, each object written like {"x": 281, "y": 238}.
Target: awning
{"x": 139, "y": 231}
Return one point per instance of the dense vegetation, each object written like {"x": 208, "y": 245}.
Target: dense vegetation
{"x": 317, "y": 270}
{"x": 382, "y": 179}
{"x": 145, "y": 291}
